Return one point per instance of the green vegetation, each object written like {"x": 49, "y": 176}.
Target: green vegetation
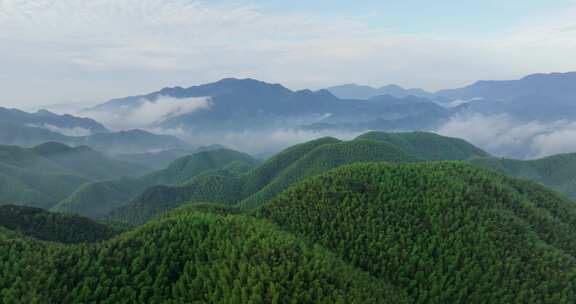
{"x": 185, "y": 168}
{"x": 46, "y": 174}
{"x": 557, "y": 172}
{"x": 87, "y": 162}
{"x": 159, "y": 199}
{"x": 321, "y": 222}
{"x": 265, "y": 173}
{"x": 97, "y": 199}
{"x": 290, "y": 166}
{"x": 29, "y": 179}
{"x": 188, "y": 256}
{"x": 446, "y": 232}
{"x": 428, "y": 146}
{"x": 48, "y": 226}
{"x": 324, "y": 158}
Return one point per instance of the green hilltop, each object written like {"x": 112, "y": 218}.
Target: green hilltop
{"x": 446, "y": 232}
{"x": 99, "y": 198}
{"x": 188, "y": 256}
{"x": 43, "y": 175}
{"x": 41, "y": 224}
{"x": 557, "y": 171}
{"x": 384, "y": 218}
{"x": 294, "y": 164}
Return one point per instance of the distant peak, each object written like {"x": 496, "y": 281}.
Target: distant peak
{"x": 45, "y": 112}
{"x": 52, "y": 148}
{"x": 392, "y": 86}
{"x": 553, "y": 75}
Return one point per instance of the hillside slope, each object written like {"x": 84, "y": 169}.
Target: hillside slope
{"x": 426, "y": 145}
{"x": 29, "y": 179}
{"x": 294, "y": 164}
{"x": 446, "y": 232}
{"x": 87, "y": 162}
{"x": 324, "y": 158}
{"x": 186, "y": 257}
{"x": 98, "y": 199}
{"x": 48, "y": 226}
{"x": 557, "y": 171}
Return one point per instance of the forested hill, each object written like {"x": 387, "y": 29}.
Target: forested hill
{"x": 557, "y": 171}
{"x": 88, "y": 162}
{"x": 99, "y": 198}
{"x": 190, "y": 256}
{"x": 43, "y": 175}
{"x": 292, "y": 165}
{"x": 44, "y": 225}
{"x": 428, "y": 146}
{"x": 446, "y": 232}
{"x": 443, "y": 232}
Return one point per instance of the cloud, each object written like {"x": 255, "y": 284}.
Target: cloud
{"x": 257, "y": 142}
{"x": 505, "y": 136}
{"x": 556, "y": 141}
{"x": 76, "y": 131}
{"x": 148, "y": 113}
{"x": 101, "y": 49}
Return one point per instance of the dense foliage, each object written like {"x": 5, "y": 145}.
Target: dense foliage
{"x": 30, "y": 179}
{"x": 87, "y": 162}
{"x": 428, "y": 146}
{"x": 186, "y": 257}
{"x": 445, "y": 232}
{"x": 48, "y": 226}
{"x": 43, "y": 175}
{"x": 557, "y": 172}
{"x": 98, "y": 199}
{"x": 157, "y": 200}
{"x": 293, "y": 165}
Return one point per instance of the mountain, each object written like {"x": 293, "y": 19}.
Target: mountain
{"x": 385, "y": 113}
{"x": 65, "y": 124}
{"x": 558, "y": 86}
{"x": 99, "y": 198}
{"x": 47, "y": 226}
{"x": 354, "y": 91}
{"x": 193, "y": 255}
{"x": 161, "y": 159}
{"x": 88, "y": 162}
{"x": 30, "y": 179}
{"x": 557, "y": 171}
{"x": 234, "y": 105}
{"x": 325, "y": 158}
{"x": 291, "y": 166}
{"x": 133, "y": 141}
{"x": 445, "y": 232}
{"x": 428, "y": 146}
{"x": 537, "y": 97}
{"x": 43, "y": 175}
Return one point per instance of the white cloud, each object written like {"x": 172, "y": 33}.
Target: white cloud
{"x": 502, "y": 135}
{"x": 76, "y": 131}
{"x": 124, "y": 45}
{"x": 258, "y": 142}
{"x": 560, "y": 140}
{"x": 148, "y": 113}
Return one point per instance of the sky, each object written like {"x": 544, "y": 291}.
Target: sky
{"x": 75, "y": 51}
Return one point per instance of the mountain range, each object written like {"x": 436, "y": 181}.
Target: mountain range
{"x": 355, "y": 91}
{"x": 66, "y": 124}
{"x": 248, "y": 104}
{"x": 376, "y": 217}
{"x": 131, "y": 141}
{"x": 418, "y": 229}
{"x": 43, "y": 175}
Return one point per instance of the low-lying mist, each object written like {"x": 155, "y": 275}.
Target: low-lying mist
{"x": 148, "y": 113}
{"x": 503, "y": 135}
